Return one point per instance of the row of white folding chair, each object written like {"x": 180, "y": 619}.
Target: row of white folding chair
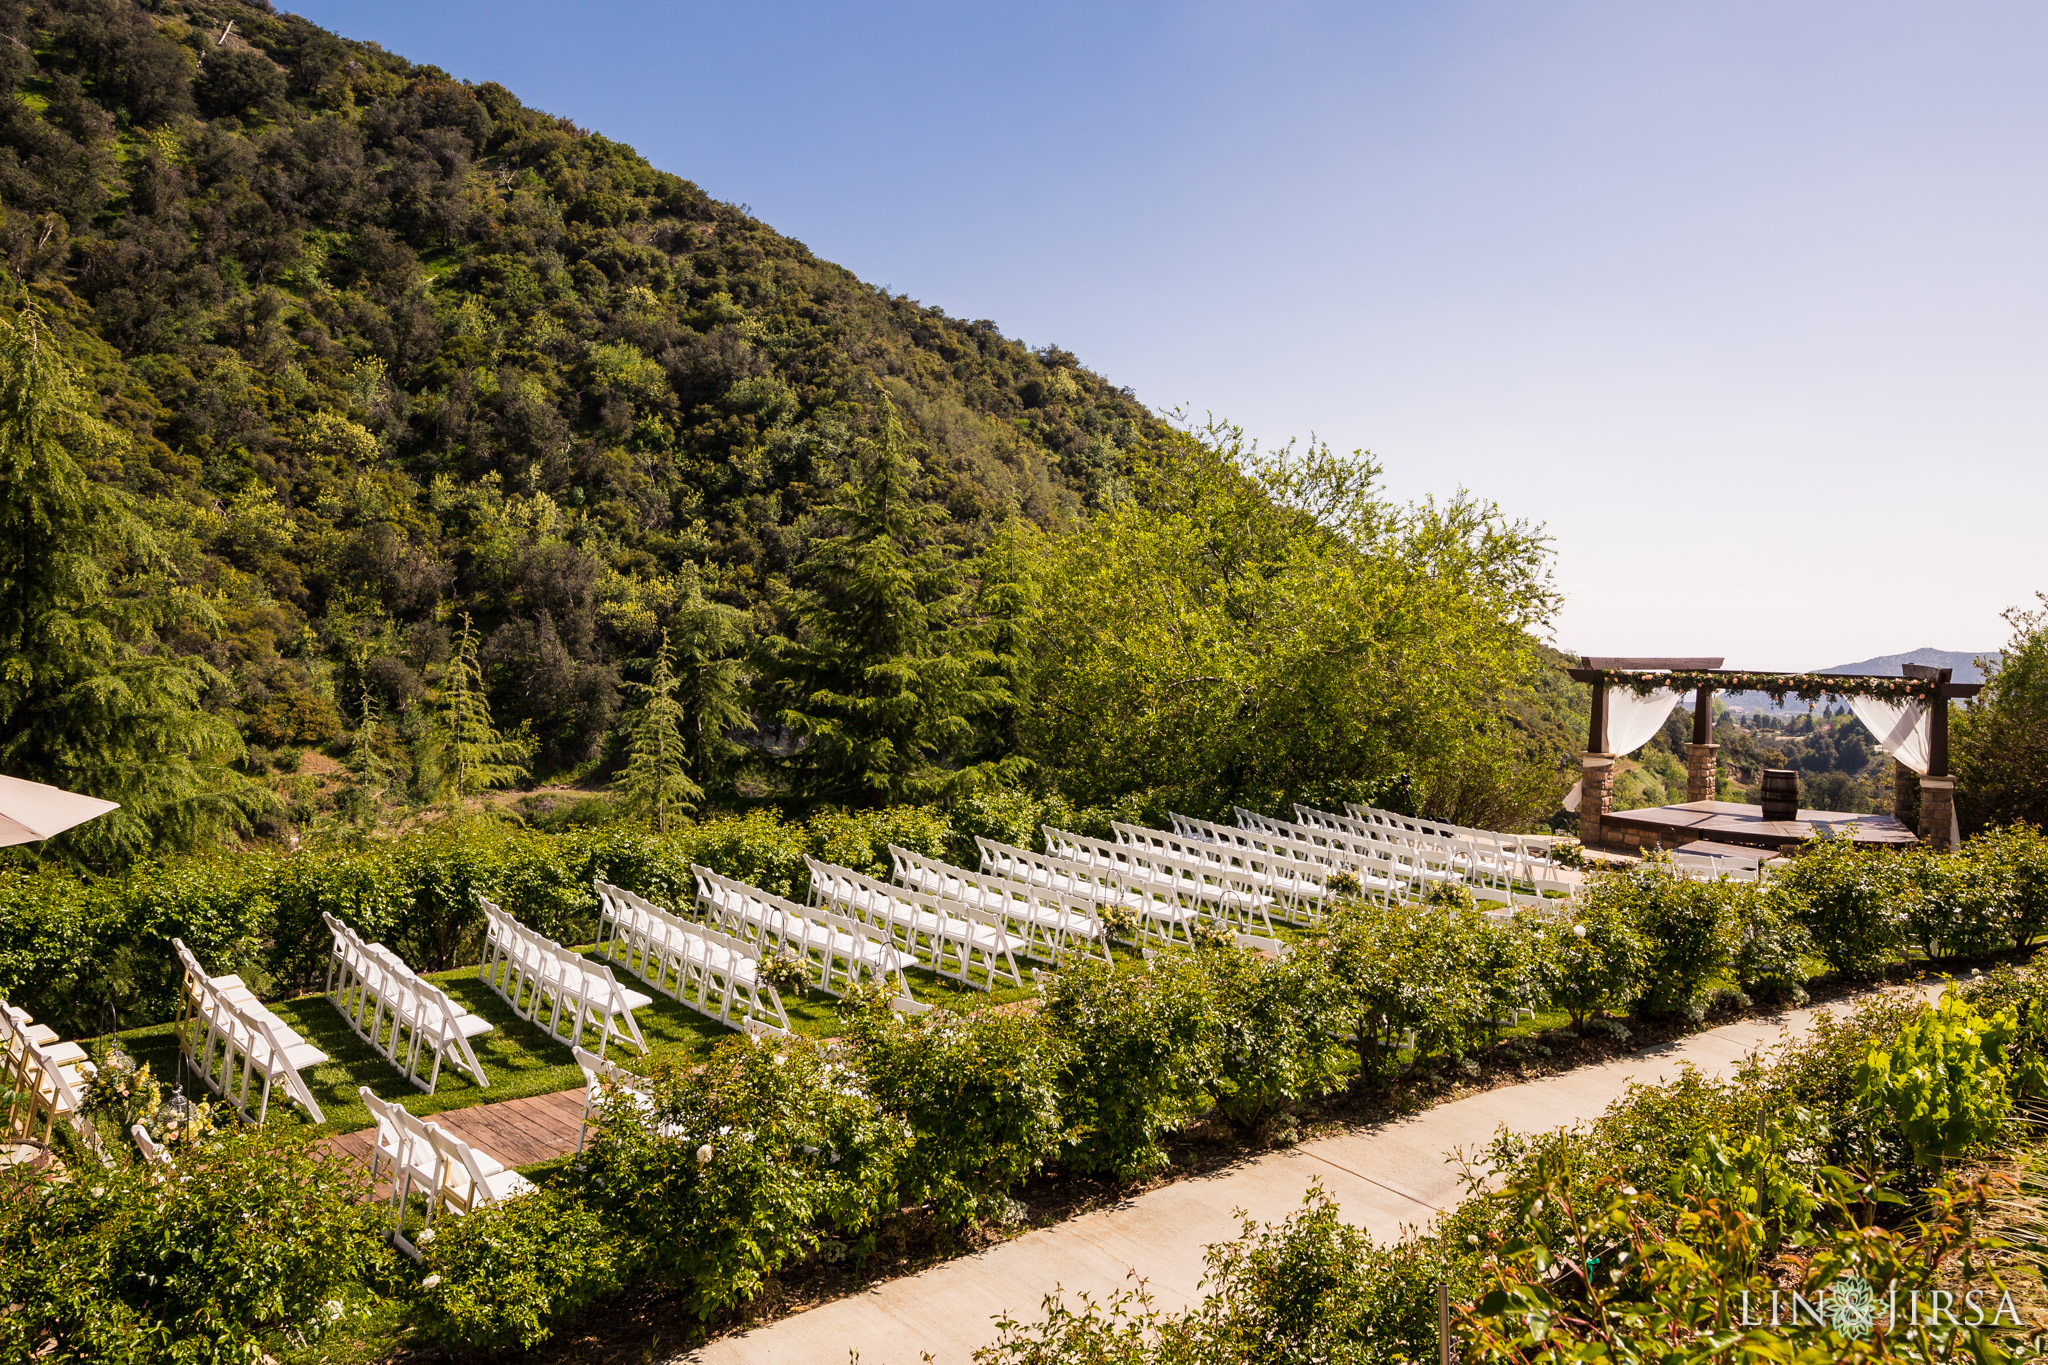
{"x": 1535, "y": 846}
{"x": 1700, "y": 867}
{"x": 220, "y": 1012}
{"x": 948, "y": 937}
{"x": 1281, "y": 883}
{"x": 393, "y": 1009}
{"x": 1434, "y": 861}
{"x": 1049, "y": 929}
{"x": 47, "y": 1077}
{"x": 838, "y": 952}
{"x": 1160, "y": 913}
{"x": 427, "y": 1159}
{"x": 1485, "y": 854}
{"x": 1385, "y": 871}
{"x": 606, "y": 1082}
{"x": 1195, "y": 881}
{"x": 527, "y": 968}
{"x": 1379, "y": 873}
{"x": 700, "y": 967}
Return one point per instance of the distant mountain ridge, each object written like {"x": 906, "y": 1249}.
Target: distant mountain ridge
{"x": 1964, "y": 662}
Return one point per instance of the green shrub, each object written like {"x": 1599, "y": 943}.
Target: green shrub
{"x": 769, "y": 1153}
{"x": 1952, "y": 907}
{"x": 1596, "y": 960}
{"x": 1848, "y": 900}
{"x": 759, "y": 848}
{"x": 1436, "y": 970}
{"x": 507, "y": 1275}
{"x": 1944, "y": 1081}
{"x": 1273, "y": 1050}
{"x": 2011, "y": 862}
{"x": 979, "y": 1092}
{"x": 860, "y": 839}
{"x": 1683, "y": 924}
{"x": 250, "y": 1238}
{"x": 1138, "y": 1051}
{"x": 1771, "y": 946}
{"x": 1007, "y": 815}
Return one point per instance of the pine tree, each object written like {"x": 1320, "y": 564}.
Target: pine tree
{"x": 479, "y": 757}
{"x": 657, "y": 780}
{"x": 887, "y": 673}
{"x": 708, "y": 641}
{"x": 369, "y": 771}
{"x": 90, "y": 698}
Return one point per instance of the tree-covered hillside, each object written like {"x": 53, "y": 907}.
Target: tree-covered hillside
{"x": 373, "y": 440}
{"x": 387, "y": 348}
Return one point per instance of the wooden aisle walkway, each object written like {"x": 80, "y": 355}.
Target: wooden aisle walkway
{"x": 516, "y": 1132}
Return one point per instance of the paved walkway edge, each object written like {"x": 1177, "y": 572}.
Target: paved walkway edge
{"x": 1389, "y": 1177}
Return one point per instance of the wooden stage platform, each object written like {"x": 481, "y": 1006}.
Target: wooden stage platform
{"x": 1725, "y": 822}
{"x": 517, "y": 1132}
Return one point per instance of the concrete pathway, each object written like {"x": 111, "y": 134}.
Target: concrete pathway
{"x": 1386, "y": 1177}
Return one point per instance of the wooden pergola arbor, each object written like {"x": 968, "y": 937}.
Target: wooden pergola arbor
{"x": 1703, "y": 817}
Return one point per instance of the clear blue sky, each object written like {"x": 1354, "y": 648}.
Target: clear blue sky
{"x": 1744, "y": 301}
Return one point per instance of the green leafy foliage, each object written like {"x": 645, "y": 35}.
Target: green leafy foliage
{"x": 767, "y": 1154}
{"x": 1138, "y": 1052}
{"x": 1249, "y": 629}
{"x": 979, "y": 1093}
{"x": 507, "y": 1275}
{"x": 253, "y": 1238}
{"x": 90, "y": 698}
{"x": 1596, "y": 960}
{"x": 1684, "y": 927}
{"x": 1945, "y": 1081}
{"x": 1999, "y": 739}
{"x": 375, "y": 348}
{"x": 1848, "y": 899}
{"x": 1273, "y": 1048}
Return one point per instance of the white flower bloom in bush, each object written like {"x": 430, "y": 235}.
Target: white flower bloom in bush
{"x": 430, "y": 1281}
{"x": 1578, "y": 931}
{"x": 704, "y": 1155}
{"x": 426, "y": 1236}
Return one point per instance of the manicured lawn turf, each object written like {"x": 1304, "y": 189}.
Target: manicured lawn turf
{"x": 517, "y": 1056}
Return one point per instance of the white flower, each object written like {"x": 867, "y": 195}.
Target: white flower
{"x": 704, "y": 1155}
{"x": 1629, "y": 1190}
{"x": 430, "y": 1281}
{"x": 426, "y": 1236}
{"x": 335, "y": 1310}
{"x": 1578, "y": 931}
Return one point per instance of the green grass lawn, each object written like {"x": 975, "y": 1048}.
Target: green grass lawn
{"x": 517, "y": 1056}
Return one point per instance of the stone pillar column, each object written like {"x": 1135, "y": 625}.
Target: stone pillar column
{"x": 1596, "y": 796}
{"x": 1701, "y": 771}
{"x": 1937, "y": 803}
{"x": 1905, "y": 795}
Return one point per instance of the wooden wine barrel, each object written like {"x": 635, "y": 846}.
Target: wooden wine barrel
{"x": 1779, "y": 795}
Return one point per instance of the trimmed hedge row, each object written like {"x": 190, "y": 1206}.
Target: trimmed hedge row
{"x": 70, "y": 944}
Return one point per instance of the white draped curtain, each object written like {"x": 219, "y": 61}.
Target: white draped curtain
{"x": 1633, "y": 719}
{"x": 1902, "y": 729}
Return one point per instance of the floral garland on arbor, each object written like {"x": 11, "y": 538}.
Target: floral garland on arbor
{"x": 1808, "y": 687}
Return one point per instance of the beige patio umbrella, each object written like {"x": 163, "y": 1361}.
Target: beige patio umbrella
{"x": 31, "y": 811}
